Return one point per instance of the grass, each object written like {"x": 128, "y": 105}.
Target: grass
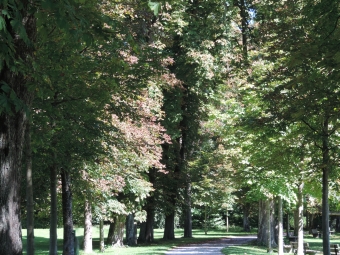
{"x": 253, "y": 249}
{"x": 158, "y": 247}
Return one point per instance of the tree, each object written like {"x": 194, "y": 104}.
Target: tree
{"x": 18, "y": 33}
{"x": 198, "y": 65}
{"x": 303, "y": 87}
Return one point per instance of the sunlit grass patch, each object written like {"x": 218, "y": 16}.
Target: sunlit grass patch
{"x": 244, "y": 249}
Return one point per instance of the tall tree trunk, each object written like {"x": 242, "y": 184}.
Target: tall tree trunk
{"x": 101, "y": 236}
{"x": 169, "y": 227}
{"x": 206, "y": 220}
{"x": 269, "y": 224}
{"x": 246, "y": 224}
{"x": 131, "y": 230}
{"x": 288, "y": 225}
{"x": 172, "y": 188}
{"x": 68, "y": 244}
{"x": 280, "y": 226}
{"x": 227, "y": 220}
{"x": 13, "y": 124}
{"x": 116, "y": 231}
{"x": 241, "y": 4}
{"x": 185, "y": 171}
{"x": 29, "y": 194}
{"x": 300, "y": 219}
{"x": 264, "y": 219}
{"x": 187, "y": 209}
{"x": 325, "y": 176}
{"x": 296, "y": 221}
{"x": 87, "y": 226}
{"x": 146, "y": 229}
{"x": 53, "y": 211}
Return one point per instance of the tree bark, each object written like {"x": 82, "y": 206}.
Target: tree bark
{"x": 54, "y": 212}
{"x": 29, "y": 195}
{"x": 264, "y": 219}
{"x": 269, "y": 235}
{"x": 131, "y": 230}
{"x": 206, "y": 220}
{"x": 300, "y": 219}
{"x": 288, "y": 225}
{"x": 169, "y": 228}
{"x": 68, "y": 243}
{"x": 187, "y": 209}
{"x": 227, "y": 220}
{"x": 325, "y": 177}
{"x": 280, "y": 226}
{"x": 12, "y": 128}
{"x": 296, "y": 221}
{"x": 146, "y": 229}
{"x": 246, "y": 224}
{"x": 87, "y": 227}
{"x": 116, "y": 231}
{"x": 101, "y": 236}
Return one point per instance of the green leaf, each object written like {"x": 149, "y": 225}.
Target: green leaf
{"x": 155, "y": 7}
{"x": 2, "y": 23}
{"x": 6, "y": 13}
{"x": 5, "y": 87}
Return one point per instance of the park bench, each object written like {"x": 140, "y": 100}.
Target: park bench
{"x": 287, "y": 248}
{"x": 335, "y": 250}
{"x": 315, "y": 233}
{"x": 306, "y": 249}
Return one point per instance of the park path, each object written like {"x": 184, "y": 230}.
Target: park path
{"x": 212, "y": 247}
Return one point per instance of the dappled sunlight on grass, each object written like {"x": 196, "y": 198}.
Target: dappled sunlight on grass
{"x": 314, "y": 244}
{"x": 158, "y": 247}
{"x": 244, "y": 249}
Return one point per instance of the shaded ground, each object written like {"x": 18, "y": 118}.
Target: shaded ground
{"x": 212, "y": 247}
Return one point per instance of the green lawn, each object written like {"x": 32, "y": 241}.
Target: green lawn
{"x": 314, "y": 244}
{"x": 158, "y": 247}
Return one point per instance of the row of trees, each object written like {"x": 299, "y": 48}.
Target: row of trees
{"x": 133, "y": 108}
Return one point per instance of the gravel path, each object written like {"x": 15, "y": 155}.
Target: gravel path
{"x": 212, "y": 247}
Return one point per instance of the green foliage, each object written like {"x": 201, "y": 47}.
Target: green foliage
{"x": 155, "y": 7}
{"x": 9, "y": 101}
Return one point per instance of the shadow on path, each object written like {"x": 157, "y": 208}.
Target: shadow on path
{"x": 212, "y": 247}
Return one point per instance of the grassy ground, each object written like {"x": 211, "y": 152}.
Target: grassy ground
{"x": 314, "y": 244}
{"x": 158, "y": 247}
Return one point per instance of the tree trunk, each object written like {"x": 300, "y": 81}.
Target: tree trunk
{"x": 146, "y": 229}
{"x": 87, "y": 227}
{"x": 325, "y": 204}
{"x": 131, "y": 230}
{"x": 300, "y": 219}
{"x": 337, "y": 225}
{"x": 264, "y": 219}
{"x": 280, "y": 226}
{"x": 29, "y": 195}
{"x": 68, "y": 243}
{"x": 101, "y": 236}
{"x": 169, "y": 228}
{"x": 244, "y": 18}
{"x": 227, "y": 221}
{"x": 187, "y": 209}
{"x": 116, "y": 231}
{"x": 54, "y": 211}
{"x": 269, "y": 224}
{"x": 13, "y": 124}
{"x": 288, "y": 225}
{"x": 246, "y": 224}
{"x": 296, "y": 220}
{"x": 206, "y": 219}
